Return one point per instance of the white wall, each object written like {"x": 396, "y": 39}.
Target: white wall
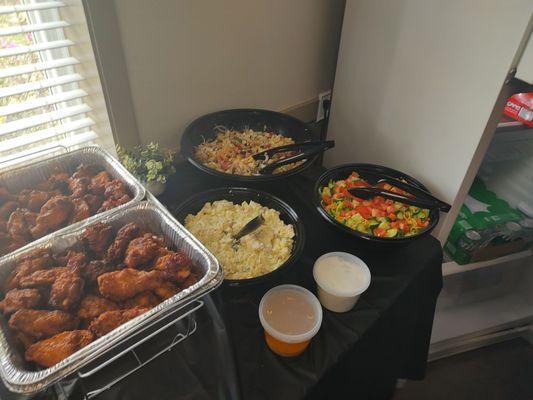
{"x": 417, "y": 80}
{"x": 189, "y": 57}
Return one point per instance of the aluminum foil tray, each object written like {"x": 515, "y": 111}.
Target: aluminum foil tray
{"x": 29, "y": 175}
{"x": 17, "y": 374}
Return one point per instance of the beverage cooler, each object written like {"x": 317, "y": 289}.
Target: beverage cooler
{"x": 422, "y": 88}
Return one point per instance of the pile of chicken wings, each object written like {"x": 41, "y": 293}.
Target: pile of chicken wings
{"x": 57, "y": 202}
{"x": 58, "y": 303}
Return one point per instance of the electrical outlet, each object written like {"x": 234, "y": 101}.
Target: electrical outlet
{"x": 321, "y": 97}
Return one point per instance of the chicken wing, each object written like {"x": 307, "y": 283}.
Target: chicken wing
{"x": 176, "y": 266}
{"x": 94, "y": 269}
{"x": 110, "y": 320}
{"x": 7, "y": 208}
{"x": 115, "y": 189}
{"x": 41, "y": 324}
{"x": 79, "y": 186}
{"x": 44, "y": 277}
{"x": 67, "y": 290}
{"x": 60, "y": 181}
{"x": 142, "y": 250}
{"x": 124, "y": 236}
{"x": 126, "y": 283}
{"x": 17, "y": 226}
{"x": 50, "y": 351}
{"x": 112, "y": 203}
{"x": 86, "y": 171}
{"x": 34, "y": 261}
{"x": 98, "y": 183}
{"x": 94, "y": 202}
{"x": 81, "y": 210}
{"x": 53, "y": 214}
{"x": 18, "y": 299}
{"x": 97, "y": 238}
{"x": 166, "y": 290}
{"x": 144, "y": 299}
{"x": 76, "y": 261}
{"x": 33, "y": 200}
{"x": 92, "y": 306}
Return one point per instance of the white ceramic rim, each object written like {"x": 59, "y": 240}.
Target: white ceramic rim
{"x": 292, "y": 338}
{"x": 350, "y": 257}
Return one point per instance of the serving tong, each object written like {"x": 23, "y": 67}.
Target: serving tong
{"x": 419, "y": 197}
{"x": 306, "y": 149}
{"x": 248, "y": 228}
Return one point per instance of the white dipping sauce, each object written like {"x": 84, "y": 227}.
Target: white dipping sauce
{"x": 340, "y": 274}
{"x": 341, "y": 278}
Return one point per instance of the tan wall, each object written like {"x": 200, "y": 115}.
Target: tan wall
{"x": 189, "y": 57}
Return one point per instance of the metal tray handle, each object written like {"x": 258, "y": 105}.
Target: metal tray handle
{"x": 179, "y": 337}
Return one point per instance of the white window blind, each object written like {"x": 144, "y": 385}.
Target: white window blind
{"x": 43, "y": 101}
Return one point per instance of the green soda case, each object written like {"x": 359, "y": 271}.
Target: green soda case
{"x": 481, "y": 218}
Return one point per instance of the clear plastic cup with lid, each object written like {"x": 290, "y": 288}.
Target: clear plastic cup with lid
{"x": 341, "y": 278}
{"x": 291, "y": 316}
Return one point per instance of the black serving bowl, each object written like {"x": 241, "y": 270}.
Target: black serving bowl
{"x": 237, "y": 195}
{"x": 203, "y": 129}
{"x": 342, "y": 172}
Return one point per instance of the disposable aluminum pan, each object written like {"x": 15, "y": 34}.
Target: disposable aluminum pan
{"x": 16, "y": 373}
{"x": 29, "y": 175}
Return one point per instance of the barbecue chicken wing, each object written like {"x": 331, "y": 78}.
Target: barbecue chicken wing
{"x": 33, "y": 200}
{"x": 166, "y": 290}
{"x": 86, "y": 171}
{"x": 18, "y": 227}
{"x": 144, "y": 299}
{"x": 126, "y": 283}
{"x": 112, "y": 203}
{"x": 79, "y": 186}
{"x": 115, "y": 252}
{"x": 115, "y": 189}
{"x": 41, "y": 324}
{"x": 97, "y": 238}
{"x": 44, "y": 277}
{"x": 50, "y": 351}
{"x": 94, "y": 202}
{"x": 91, "y": 306}
{"x": 175, "y": 266}
{"x": 18, "y": 299}
{"x": 94, "y": 269}
{"x": 98, "y": 183}
{"x": 110, "y": 320}
{"x": 67, "y": 290}
{"x": 142, "y": 250}
{"x": 34, "y": 261}
{"x": 81, "y": 210}
{"x": 53, "y": 214}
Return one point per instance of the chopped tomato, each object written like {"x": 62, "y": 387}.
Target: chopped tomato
{"x": 392, "y": 216}
{"x": 380, "y": 232}
{"x": 419, "y": 222}
{"x": 364, "y": 211}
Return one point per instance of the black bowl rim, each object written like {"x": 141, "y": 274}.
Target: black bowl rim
{"x": 434, "y": 220}
{"x": 299, "y": 230}
{"x": 245, "y": 178}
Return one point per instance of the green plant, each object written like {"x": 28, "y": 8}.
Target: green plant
{"x": 149, "y": 163}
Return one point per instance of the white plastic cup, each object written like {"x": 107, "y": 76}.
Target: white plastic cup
{"x": 340, "y": 299}
{"x": 284, "y": 344}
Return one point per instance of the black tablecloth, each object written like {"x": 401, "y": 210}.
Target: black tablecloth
{"x": 386, "y": 336}
{"x": 358, "y": 354}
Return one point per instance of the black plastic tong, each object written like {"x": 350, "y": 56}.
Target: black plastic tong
{"x": 420, "y": 198}
{"x": 305, "y": 150}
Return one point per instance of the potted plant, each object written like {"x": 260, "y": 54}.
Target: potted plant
{"x": 150, "y": 164}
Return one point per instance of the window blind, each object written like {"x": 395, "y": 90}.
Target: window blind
{"x": 41, "y": 102}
